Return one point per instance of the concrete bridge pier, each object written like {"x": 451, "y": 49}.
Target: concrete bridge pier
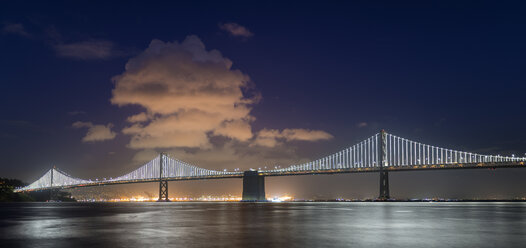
{"x": 253, "y": 187}
{"x": 53, "y": 195}
{"x": 384, "y": 186}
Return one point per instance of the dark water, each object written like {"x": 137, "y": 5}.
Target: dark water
{"x": 263, "y": 225}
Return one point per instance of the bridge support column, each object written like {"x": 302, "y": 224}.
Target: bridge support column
{"x": 384, "y": 185}
{"x": 53, "y": 195}
{"x": 163, "y": 184}
{"x": 384, "y": 174}
{"x": 253, "y": 187}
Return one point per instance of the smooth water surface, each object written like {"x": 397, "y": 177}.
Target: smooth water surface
{"x": 173, "y": 224}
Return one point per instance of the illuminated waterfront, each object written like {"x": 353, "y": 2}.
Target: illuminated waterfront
{"x": 203, "y": 198}
{"x": 189, "y": 224}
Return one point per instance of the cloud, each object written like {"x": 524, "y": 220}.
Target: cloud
{"x": 268, "y": 138}
{"x": 96, "y": 132}
{"x": 187, "y": 129}
{"x": 144, "y": 156}
{"x": 86, "y": 50}
{"x": 188, "y": 93}
{"x": 140, "y": 117}
{"x": 362, "y": 124}
{"x": 15, "y": 28}
{"x": 305, "y": 134}
{"x": 236, "y": 30}
{"x": 273, "y": 137}
{"x": 91, "y": 49}
{"x": 237, "y": 129}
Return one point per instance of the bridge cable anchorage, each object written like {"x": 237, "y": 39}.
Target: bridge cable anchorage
{"x": 382, "y": 151}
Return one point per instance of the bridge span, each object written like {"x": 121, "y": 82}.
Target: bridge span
{"x": 381, "y": 153}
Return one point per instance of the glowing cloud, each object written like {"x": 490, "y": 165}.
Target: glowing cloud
{"x": 188, "y": 93}
{"x": 15, "y": 28}
{"x": 362, "y": 124}
{"x": 85, "y": 50}
{"x": 272, "y": 137}
{"x": 237, "y": 129}
{"x": 95, "y": 132}
{"x": 236, "y": 30}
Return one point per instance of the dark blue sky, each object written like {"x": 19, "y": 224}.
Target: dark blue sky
{"x": 447, "y": 73}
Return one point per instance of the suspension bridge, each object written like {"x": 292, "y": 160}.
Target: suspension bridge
{"x": 381, "y": 153}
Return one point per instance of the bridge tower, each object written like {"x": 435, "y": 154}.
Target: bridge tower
{"x": 384, "y": 174}
{"x": 163, "y": 183}
{"x": 53, "y": 193}
{"x": 253, "y": 187}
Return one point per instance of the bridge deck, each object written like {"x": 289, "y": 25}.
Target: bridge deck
{"x": 402, "y": 168}
{"x": 309, "y": 172}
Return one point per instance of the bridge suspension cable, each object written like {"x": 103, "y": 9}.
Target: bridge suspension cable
{"x": 54, "y": 178}
{"x": 365, "y": 154}
{"x": 400, "y": 152}
{"x": 172, "y": 169}
{"x": 404, "y": 152}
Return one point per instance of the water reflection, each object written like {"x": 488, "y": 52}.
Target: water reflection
{"x": 259, "y": 225}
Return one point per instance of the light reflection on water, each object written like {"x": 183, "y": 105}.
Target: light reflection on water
{"x": 263, "y": 225}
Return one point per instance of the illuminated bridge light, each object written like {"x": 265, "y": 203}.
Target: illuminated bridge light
{"x": 364, "y": 156}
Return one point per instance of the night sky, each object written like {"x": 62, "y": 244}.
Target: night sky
{"x": 98, "y": 88}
